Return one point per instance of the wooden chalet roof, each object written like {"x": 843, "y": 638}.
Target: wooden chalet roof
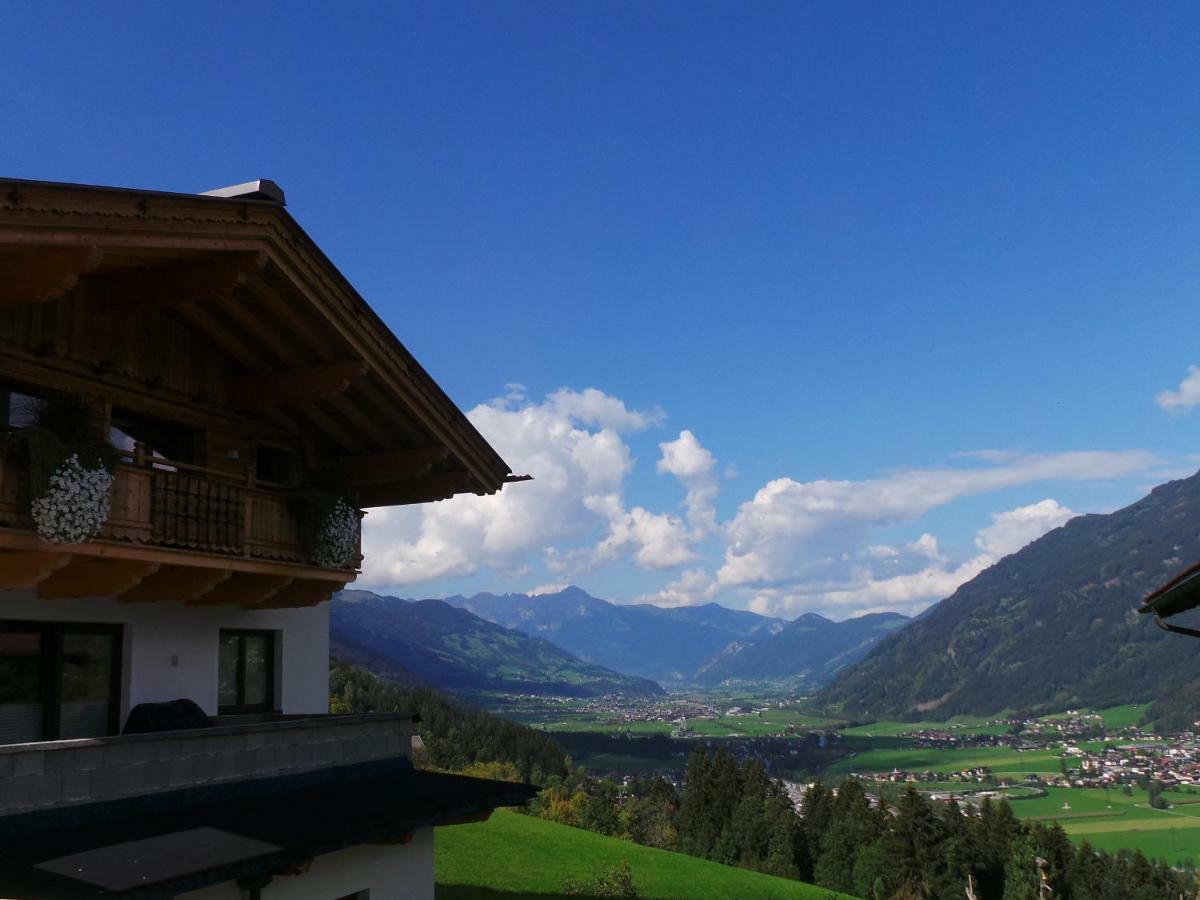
{"x": 1178, "y": 595}
{"x": 244, "y": 275}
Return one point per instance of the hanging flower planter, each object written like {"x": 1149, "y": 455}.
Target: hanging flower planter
{"x": 69, "y": 469}
{"x": 75, "y": 504}
{"x": 336, "y": 537}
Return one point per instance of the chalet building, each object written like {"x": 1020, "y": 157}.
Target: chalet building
{"x": 197, "y": 406}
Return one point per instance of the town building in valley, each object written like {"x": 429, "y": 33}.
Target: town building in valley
{"x": 197, "y": 406}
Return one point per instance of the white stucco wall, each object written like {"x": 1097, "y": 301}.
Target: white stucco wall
{"x": 388, "y": 872}
{"x": 170, "y": 649}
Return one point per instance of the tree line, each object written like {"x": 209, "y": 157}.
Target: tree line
{"x": 903, "y": 848}
{"x": 456, "y": 736}
{"x": 906, "y": 849}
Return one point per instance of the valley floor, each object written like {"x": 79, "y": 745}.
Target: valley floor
{"x": 511, "y": 856}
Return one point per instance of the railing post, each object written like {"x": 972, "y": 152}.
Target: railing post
{"x": 248, "y": 511}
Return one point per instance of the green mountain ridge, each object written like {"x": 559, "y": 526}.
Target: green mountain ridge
{"x": 451, "y": 648}
{"x": 1051, "y": 626}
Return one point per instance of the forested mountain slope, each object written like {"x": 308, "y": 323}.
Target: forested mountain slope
{"x": 453, "y": 649}
{"x": 1052, "y": 625}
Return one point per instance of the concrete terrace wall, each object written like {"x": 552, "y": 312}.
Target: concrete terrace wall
{"x": 58, "y": 773}
{"x": 402, "y": 872}
{"x": 170, "y": 650}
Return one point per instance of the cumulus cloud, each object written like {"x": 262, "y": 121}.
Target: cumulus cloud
{"x": 695, "y": 467}
{"x": 547, "y": 589}
{"x": 1012, "y": 530}
{"x": 1185, "y": 396}
{"x": 789, "y": 521}
{"x": 871, "y": 587}
{"x": 656, "y": 540}
{"x": 693, "y": 587}
{"x": 571, "y": 441}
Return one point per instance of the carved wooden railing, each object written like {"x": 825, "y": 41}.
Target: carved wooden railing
{"x": 164, "y": 503}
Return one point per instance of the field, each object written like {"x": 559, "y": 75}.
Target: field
{"x": 915, "y": 759}
{"x": 771, "y": 722}
{"x": 1112, "y": 821}
{"x": 511, "y": 856}
{"x": 960, "y": 725}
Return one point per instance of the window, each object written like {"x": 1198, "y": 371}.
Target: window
{"x": 275, "y": 465}
{"x": 246, "y": 672}
{"x": 58, "y": 681}
{"x": 160, "y": 439}
{"x": 16, "y": 407}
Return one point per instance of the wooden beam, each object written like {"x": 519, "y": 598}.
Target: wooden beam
{"x": 300, "y": 593}
{"x": 25, "y": 569}
{"x": 243, "y": 589}
{"x": 199, "y": 281}
{"x": 294, "y": 386}
{"x": 395, "y": 465}
{"x": 47, "y": 274}
{"x": 417, "y": 490}
{"x": 87, "y": 576}
{"x": 176, "y": 583}
{"x": 17, "y": 539}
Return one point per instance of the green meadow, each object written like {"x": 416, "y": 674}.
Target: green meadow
{"x": 1110, "y": 820}
{"x": 510, "y": 857}
{"x": 959, "y": 725}
{"x": 1002, "y": 760}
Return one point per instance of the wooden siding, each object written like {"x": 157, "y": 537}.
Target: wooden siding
{"x": 150, "y": 345}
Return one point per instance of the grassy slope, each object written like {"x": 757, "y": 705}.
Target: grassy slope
{"x": 513, "y": 856}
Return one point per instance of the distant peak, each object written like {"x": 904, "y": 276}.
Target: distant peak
{"x": 811, "y": 618}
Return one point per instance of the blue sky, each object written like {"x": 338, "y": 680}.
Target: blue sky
{"x": 831, "y": 241}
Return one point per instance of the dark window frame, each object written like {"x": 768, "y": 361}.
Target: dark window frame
{"x": 242, "y": 707}
{"x": 51, "y": 636}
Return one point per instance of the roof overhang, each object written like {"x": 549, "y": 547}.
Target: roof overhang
{"x": 246, "y": 276}
{"x": 1178, "y": 595}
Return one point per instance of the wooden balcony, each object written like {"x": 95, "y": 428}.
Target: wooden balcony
{"x": 175, "y": 531}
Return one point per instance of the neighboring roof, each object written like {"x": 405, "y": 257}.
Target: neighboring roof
{"x": 1178, "y": 595}
{"x": 275, "y": 305}
{"x": 245, "y": 830}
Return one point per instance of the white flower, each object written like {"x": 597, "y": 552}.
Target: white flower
{"x": 76, "y": 503}
{"x": 338, "y": 537}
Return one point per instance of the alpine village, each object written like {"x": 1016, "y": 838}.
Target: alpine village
{"x": 203, "y": 415}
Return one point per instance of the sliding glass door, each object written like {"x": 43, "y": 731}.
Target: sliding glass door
{"x": 58, "y": 680}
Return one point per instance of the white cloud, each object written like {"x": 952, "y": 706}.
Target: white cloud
{"x": 1012, "y": 530}
{"x": 657, "y": 541}
{"x": 1185, "y": 397}
{"x": 693, "y": 587}
{"x": 866, "y": 589}
{"x": 695, "y": 467}
{"x": 547, "y": 589}
{"x": 788, "y": 522}
{"x": 593, "y": 407}
{"x": 574, "y": 466}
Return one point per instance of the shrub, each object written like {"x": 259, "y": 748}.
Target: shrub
{"x": 617, "y": 882}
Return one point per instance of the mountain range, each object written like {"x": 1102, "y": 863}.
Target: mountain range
{"x": 704, "y": 645}
{"x": 806, "y": 652}
{"x": 451, "y": 648}
{"x": 1052, "y": 626}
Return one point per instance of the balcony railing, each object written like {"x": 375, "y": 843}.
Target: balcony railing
{"x": 60, "y": 773}
{"x": 164, "y": 503}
